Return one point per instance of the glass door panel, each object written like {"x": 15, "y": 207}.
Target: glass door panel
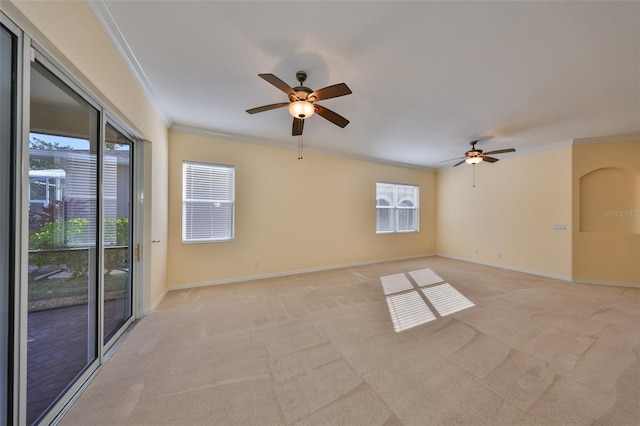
{"x": 63, "y": 215}
{"x": 117, "y": 183}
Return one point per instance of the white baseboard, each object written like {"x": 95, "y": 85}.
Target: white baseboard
{"x": 156, "y": 304}
{"x": 544, "y": 274}
{"x": 609, "y": 283}
{"x": 287, "y": 273}
{"x": 372, "y": 262}
{"x": 511, "y": 268}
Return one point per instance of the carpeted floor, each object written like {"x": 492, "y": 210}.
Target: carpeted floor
{"x": 322, "y": 349}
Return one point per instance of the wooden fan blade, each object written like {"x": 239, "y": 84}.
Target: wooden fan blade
{"x": 489, "y": 159}
{"x": 458, "y": 163}
{"x": 298, "y": 125}
{"x": 500, "y": 151}
{"x": 270, "y": 78}
{"x": 333, "y": 117}
{"x": 451, "y": 159}
{"x": 267, "y": 107}
{"x": 330, "y": 92}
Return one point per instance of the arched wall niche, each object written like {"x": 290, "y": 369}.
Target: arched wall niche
{"x": 610, "y": 201}
{"x": 606, "y": 195}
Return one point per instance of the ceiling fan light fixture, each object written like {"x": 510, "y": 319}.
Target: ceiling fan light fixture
{"x": 301, "y": 109}
{"x": 473, "y": 160}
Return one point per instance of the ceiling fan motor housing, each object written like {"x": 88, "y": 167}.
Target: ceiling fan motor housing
{"x": 302, "y": 93}
{"x": 301, "y": 107}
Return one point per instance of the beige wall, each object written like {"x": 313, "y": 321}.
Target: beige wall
{"x": 72, "y": 35}
{"x": 606, "y": 203}
{"x": 156, "y": 252}
{"x": 512, "y": 211}
{"x": 319, "y": 212}
{"x": 291, "y": 214}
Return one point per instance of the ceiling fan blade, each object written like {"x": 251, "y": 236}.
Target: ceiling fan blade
{"x": 333, "y": 117}
{"x": 330, "y": 92}
{"x": 270, "y": 78}
{"x": 298, "y": 125}
{"x": 489, "y": 159}
{"x": 458, "y": 163}
{"x": 451, "y": 159}
{"x": 267, "y": 107}
{"x": 500, "y": 151}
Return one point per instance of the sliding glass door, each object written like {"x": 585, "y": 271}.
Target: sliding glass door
{"x": 66, "y": 230}
{"x": 7, "y": 141}
{"x": 63, "y": 236}
{"x": 117, "y": 184}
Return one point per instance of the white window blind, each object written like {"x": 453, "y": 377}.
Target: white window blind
{"x": 208, "y": 202}
{"x": 397, "y": 208}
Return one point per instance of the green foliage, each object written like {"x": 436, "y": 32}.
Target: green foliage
{"x": 121, "y": 231}
{"x": 50, "y": 245}
{"x": 57, "y": 234}
{"x": 116, "y": 258}
{"x": 44, "y": 163}
{"x": 36, "y": 143}
{"x": 76, "y": 262}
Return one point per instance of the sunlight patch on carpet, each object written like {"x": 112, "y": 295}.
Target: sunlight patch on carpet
{"x": 395, "y": 283}
{"x": 446, "y": 299}
{"x": 408, "y": 310}
{"x": 425, "y": 299}
{"x": 425, "y": 277}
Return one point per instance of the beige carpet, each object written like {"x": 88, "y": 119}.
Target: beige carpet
{"x": 321, "y": 349}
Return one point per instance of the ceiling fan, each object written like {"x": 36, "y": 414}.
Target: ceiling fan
{"x": 302, "y": 101}
{"x": 475, "y": 156}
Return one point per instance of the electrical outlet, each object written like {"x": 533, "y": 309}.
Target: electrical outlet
{"x": 476, "y": 251}
{"x": 499, "y": 254}
{"x": 256, "y": 263}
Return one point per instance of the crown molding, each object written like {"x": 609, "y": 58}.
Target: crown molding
{"x": 625, "y": 137}
{"x": 101, "y": 10}
{"x": 198, "y": 131}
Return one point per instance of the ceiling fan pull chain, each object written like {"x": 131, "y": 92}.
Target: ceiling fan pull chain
{"x": 474, "y": 175}
{"x": 300, "y": 147}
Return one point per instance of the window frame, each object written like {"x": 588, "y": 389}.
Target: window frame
{"x": 396, "y": 207}
{"x": 186, "y": 202}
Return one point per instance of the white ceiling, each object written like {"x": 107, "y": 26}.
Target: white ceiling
{"x": 427, "y": 77}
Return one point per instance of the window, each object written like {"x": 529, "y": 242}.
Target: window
{"x": 396, "y": 208}
{"x": 208, "y": 199}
